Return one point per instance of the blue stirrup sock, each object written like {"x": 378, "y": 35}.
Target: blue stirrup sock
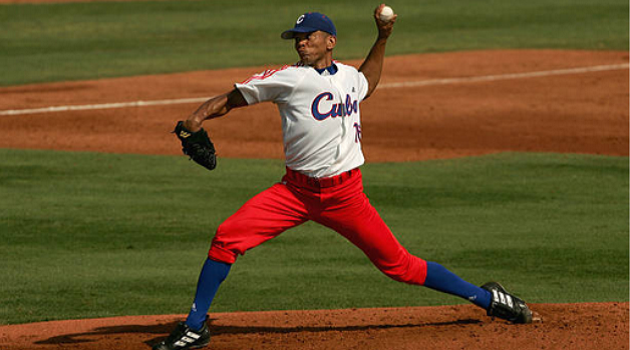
{"x": 443, "y": 280}
{"x": 212, "y": 274}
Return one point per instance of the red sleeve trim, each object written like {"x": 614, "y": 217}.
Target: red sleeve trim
{"x": 266, "y": 74}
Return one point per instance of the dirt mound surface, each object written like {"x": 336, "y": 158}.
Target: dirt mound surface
{"x": 426, "y": 107}
{"x": 564, "y": 326}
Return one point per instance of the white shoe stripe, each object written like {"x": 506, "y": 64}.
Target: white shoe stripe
{"x": 502, "y": 298}
{"x": 509, "y": 301}
{"x": 188, "y": 340}
{"x": 193, "y": 335}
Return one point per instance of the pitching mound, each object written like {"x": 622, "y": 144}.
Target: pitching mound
{"x": 564, "y": 326}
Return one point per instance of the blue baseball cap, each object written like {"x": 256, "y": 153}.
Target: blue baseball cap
{"x": 311, "y": 22}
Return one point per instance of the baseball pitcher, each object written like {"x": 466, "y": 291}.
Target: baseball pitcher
{"x": 318, "y": 99}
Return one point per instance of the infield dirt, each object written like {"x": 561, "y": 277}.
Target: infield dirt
{"x": 564, "y": 326}
{"x": 581, "y": 112}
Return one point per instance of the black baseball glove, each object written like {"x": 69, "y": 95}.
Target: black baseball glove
{"x": 197, "y": 146}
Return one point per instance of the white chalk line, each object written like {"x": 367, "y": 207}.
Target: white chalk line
{"x": 103, "y": 106}
{"x": 508, "y": 76}
{"x": 444, "y": 81}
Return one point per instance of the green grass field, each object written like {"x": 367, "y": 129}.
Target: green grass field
{"x": 91, "y": 235}
{"x": 74, "y": 41}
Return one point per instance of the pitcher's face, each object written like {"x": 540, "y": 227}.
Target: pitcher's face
{"x": 315, "y": 48}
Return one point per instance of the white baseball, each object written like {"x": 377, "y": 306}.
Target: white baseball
{"x": 386, "y": 14}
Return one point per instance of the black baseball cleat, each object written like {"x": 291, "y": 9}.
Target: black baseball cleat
{"x": 183, "y": 337}
{"x": 506, "y": 306}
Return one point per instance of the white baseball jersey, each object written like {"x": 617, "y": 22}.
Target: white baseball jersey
{"x": 321, "y": 124}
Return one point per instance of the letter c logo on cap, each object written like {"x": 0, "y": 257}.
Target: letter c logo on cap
{"x": 300, "y": 19}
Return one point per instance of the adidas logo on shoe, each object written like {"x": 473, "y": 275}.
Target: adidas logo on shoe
{"x": 507, "y": 306}
{"x": 183, "y": 337}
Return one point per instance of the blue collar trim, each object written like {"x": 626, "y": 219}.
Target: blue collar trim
{"x": 332, "y": 69}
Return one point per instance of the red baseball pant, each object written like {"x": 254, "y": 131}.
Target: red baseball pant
{"x": 338, "y": 203}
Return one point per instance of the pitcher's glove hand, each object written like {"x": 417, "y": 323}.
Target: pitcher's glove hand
{"x": 197, "y": 146}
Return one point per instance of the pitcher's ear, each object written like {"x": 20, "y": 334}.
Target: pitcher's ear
{"x": 331, "y": 42}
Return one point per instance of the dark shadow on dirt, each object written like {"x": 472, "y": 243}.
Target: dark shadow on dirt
{"x": 166, "y": 328}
